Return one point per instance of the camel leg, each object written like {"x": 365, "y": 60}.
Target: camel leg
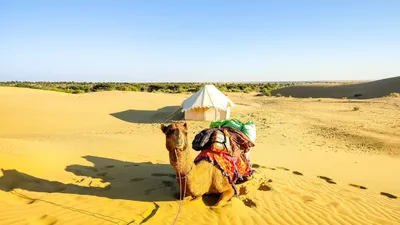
{"x": 225, "y": 196}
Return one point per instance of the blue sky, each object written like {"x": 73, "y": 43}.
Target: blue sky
{"x": 205, "y": 40}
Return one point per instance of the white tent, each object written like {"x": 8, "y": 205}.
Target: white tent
{"x": 207, "y": 104}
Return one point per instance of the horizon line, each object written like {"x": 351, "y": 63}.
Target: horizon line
{"x": 185, "y": 82}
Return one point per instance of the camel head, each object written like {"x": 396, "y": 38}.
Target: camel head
{"x": 176, "y": 136}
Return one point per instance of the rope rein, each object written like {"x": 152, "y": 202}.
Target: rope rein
{"x": 171, "y": 115}
{"x": 181, "y": 197}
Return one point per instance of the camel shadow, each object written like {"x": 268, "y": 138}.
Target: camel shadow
{"x": 110, "y": 178}
{"x": 165, "y": 114}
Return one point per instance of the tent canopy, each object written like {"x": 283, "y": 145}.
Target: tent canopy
{"x": 207, "y": 97}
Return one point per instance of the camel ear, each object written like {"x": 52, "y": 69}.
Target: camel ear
{"x": 185, "y": 125}
{"x": 164, "y": 128}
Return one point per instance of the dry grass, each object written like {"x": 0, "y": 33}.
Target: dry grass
{"x": 394, "y": 95}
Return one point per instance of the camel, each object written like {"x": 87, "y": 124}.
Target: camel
{"x": 201, "y": 178}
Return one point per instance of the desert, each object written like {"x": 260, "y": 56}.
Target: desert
{"x": 100, "y": 158}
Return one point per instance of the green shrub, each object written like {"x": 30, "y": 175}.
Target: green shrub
{"x": 222, "y": 88}
{"x": 266, "y": 92}
{"x": 78, "y": 91}
{"x": 103, "y": 87}
{"x": 24, "y": 85}
{"x": 247, "y": 90}
{"x": 55, "y": 89}
{"x": 394, "y": 95}
{"x": 278, "y": 95}
{"x": 180, "y": 89}
{"x": 235, "y": 90}
{"x": 123, "y": 88}
{"x": 80, "y": 87}
{"x": 133, "y": 88}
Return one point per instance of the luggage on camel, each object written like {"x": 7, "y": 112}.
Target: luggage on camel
{"x": 202, "y": 140}
{"x": 248, "y": 128}
{"x": 227, "y": 139}
{"x": 225, "y": 148}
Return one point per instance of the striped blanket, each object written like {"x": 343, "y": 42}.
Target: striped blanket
{"x": 220, "y": 154}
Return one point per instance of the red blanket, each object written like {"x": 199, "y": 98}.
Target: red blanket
{"x": 235, "y": 168}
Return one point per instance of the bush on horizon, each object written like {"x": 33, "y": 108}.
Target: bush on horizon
{"x": 85, "y": 87}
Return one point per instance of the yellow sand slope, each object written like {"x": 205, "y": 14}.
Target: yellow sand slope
{"x": 365, "y": 90}
{"x": 99, "y": 158}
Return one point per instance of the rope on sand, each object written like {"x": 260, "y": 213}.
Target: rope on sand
{"x": 144, "y": 216}
{"x": 171, "y": 115}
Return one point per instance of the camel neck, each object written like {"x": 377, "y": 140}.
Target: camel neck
{"x": 183, "y": 164}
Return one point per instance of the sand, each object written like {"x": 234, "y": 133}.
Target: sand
{"x": 352, "y": 90}
{"x": 100, "y": 158}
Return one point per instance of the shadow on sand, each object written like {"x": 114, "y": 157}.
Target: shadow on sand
{"x": 165, "y": 114}
{"x": 367, "y": 90}
{"x": 108, "y": 178}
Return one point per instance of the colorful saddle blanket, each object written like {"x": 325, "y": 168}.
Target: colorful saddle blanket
{"x": 235, "y": 168}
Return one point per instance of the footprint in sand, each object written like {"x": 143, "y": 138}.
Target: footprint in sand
{"x": 264, "y": 187}
{"x": 357, "y": 186}
{"x": 266, "y": 167}
{"x": 79, "y": 180}
{"x": 282, "y": 168}
{"x": 297, "y": 173}
{"x": 307, "y": 198}
{"x": 137, "y": 179}
{"x": 163, "y": 175}
{"x": 61, "y": 188}
{"x": 243, "y": 190}
{"x": 128, "y": 165}
{"x": 109, "y": 166}
{"x": 23, "y": 199}
{"x": 388, "y": 195}
{"x": 249, "y": 203}
{"x": 102, "y": 174}
{"x": 148, "y": 191}
{"x": 94, "y": 169}
{"x": 255, "y": 166}
{"x": 327, "y": 179}
{"x": 167, "y": 183}
{"x": 45, "y": 220}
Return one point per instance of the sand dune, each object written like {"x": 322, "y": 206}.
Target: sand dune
{"x": 374, "y": 89}
{"x": 99, "y": 158}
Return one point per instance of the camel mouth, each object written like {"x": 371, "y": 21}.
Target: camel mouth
{"x": 180, "y": 144}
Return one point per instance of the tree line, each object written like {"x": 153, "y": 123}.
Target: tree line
{"x": 85, "y": 87}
